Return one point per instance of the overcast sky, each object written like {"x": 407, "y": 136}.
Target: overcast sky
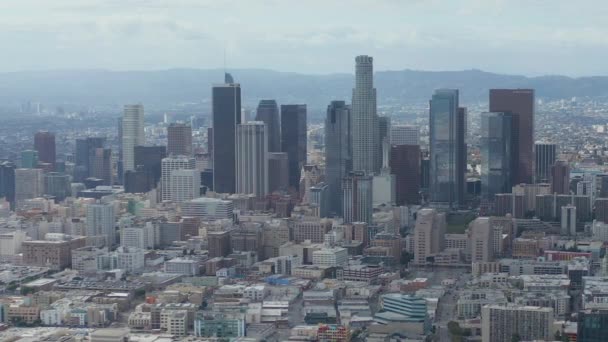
{"x": 528, "y": 37}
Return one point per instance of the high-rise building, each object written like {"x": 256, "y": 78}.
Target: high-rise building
{"x": 357, "y": 189}
{"x": 57, "y": 185}
{"x": 447, "y": 124}
{"x": 226, "y": 108}
{"x": 252, "y": 158}
{"x": 100, "y": 222}
{"x": 132, "y": 134}
{"x": 28, "y": 184}
{"x": 384, "y": 134}
{"x": 568, "y": 220}
{"x": 7, "y": 182}
{"x": 428, "y": 234}
{"x": 268, "y": 112}
{"x": 405, "y": 135}
{"x": 560, "y": 177}
{"x": 100, "y": 165}
{"x": 208, "y": 209}
{"x": 501, "y": 323}
{"x": 545, "y": 154}
{"x": 84, "y": 150}
{"x": 481, "y": 242}
{"x": 293, "y": 140}
{"x": 179, "y": 139}
{"x": 313, "y": 229}
{"x": 184, "y": 185}
{"x": 168, "y": 165}
{"x": 496, "y": 158}
{"x": 218, "y": 244}
{"x": 44, "y": 143}
{"x": 364, "y": 121}
{"x": 520, "y": 103}
{"x": 592, "y": 325}
{"x": 405, "y": 165}
{"x": 278, "y": 171}
{"x": 319, "y": 199}
{"x": 338, "y": 153}
{"x": 150, "y": 158}
{"x": 29, "y": 159}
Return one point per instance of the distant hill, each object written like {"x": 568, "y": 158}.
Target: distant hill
{"x": 168, "y": 87}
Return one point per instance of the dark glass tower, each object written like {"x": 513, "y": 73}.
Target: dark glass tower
{"x": 148, "y": 159}
{"x": 84, "y": 149}
{"x": 496, "y": 159}
{"x": 592, "y": 325}
{"x": 338, "y": 153}
{"x": 447, "y": 124}
{"x": 268, "y": 112}
{"x": 405, "y": 165}
{"x": 226, "y": 115}
{"x": 293, "y": 140}
{"x": 7, "y": 182}
{"x": 520, "y": 103}
{"x": 545, "y": 154}
{"x": 179, "y": 139}
{"x": 44, "y": 143}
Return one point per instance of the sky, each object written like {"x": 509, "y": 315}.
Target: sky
{"x": 526, "y": 37}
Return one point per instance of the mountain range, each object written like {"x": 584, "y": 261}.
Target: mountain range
{"x": 166, "y": 88}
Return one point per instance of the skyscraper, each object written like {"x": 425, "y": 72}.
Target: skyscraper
{"x": 179, "y": 139}
{"x": 84, "y": 149}
{"x": 496, "y": 158}
{"x": 28, "y": 184}
{"x": 428, "y": 234}
{"x": 100, "y": 222}
{"x": 384, "y": 133}
{"x": 29, "y": 159}
{"x": 338, "y": 153}
{"x": 252, "y": 158}
{"x": 57, "y": 185}
{"x": 405, "y": 165}
{"x": 184, "y": 185}
{"x": 44, "y": 143}
{"x": 150, "y": 159}
{"x": 100, "y": 165}
{"x": 447, "y": 124}
{"x": 293, "y": 140}
{"x": 278, "y": 171}
{"x": 545, "y": 154}
{"x": 520, "y": 103}
{"x": 405, "y": 135}
{"x": 560, "y": 177}
{"x": 358, "y": 196}
{"x": 268, "y": 112}
{"x": 132, "y": 134}
{"x": 226, "y": 108}
{"x": 365, "y": 128}
{"x": 168, "y": 165}
{"x": 7, "y": 182}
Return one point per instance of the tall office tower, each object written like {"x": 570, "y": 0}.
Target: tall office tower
{"x": 29, "y": 159}
{"x": 252, "y": 158}
{"x": 185, "y": 185}
{"x": 357, "y": 190}
{"x": 268, "y": 112}
{"x": 545, "y": 154}
{"x": 384, "y": 133}
{"x": 501, "y": 322}
{"x": 100, "y": 165}
{"x": 57, "y": 185}
{"x": 568, "y": 220}
{"x": 168, "y": 165}
{"x": 100, "y": 222}
{"x": 179, "y": 139}
{"x": 405, "y": 135}
{"x": 28, "y": 184}
{"x": 138, "y": 181}
{"x": 319, "y": 199}
{"x": 278, "y": 171}
{"x": 338, "y": 152}
{"x": 218, "y": 244}
{"x": 150, "y": 159}
{"x": 226, "y": 108}
{"x": 560, "y": 177}
{"x": 405, "y": 165}
{"x": 496, "y": 159}
{"x": 44, "y": 143}
{"x": 293, "y": 140}
{"x": 592, "y": 324}
{"x": 84, "y": 149}
{"x": 7, "y": 182}
{"x": 447, "y": 149}
{"x": 384, "y": 182}
{"x": 428, "y": 234}
{"x": 132, "y": 134}
{"x": 481, "y": 239}
{"x": 365, "y": 128}
{"x": 520, "y": 103}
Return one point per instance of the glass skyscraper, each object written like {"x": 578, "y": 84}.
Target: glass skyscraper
{"x": 365, "y": 128}
{"x": 447, "y": 125}
{"x": 293, "y": 140}
{"x": 338, "y": 153}
{"x": 496, "y": 156}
